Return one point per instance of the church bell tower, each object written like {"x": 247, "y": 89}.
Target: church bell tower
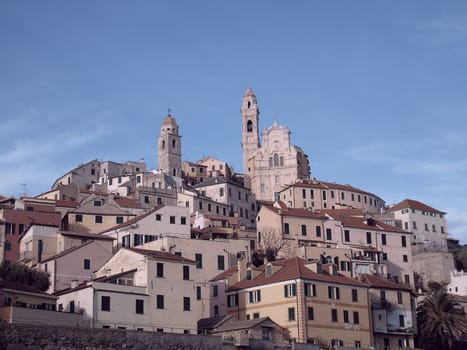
{"x": 170, "y": 148}
{"x": 250, "y": 134}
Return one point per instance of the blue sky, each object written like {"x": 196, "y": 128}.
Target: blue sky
{"x": 373, "y": 91}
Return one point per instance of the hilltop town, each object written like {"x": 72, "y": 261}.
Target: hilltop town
{"x": 193, "y": 247}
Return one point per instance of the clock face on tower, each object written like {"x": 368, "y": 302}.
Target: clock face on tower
{"x": 249, "y": 138}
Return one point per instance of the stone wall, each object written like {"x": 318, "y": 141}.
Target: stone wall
{"x": 36, "y": 337}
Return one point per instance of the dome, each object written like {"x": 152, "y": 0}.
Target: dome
{"x": 169, "y": 124}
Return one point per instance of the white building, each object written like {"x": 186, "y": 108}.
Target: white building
{"x": 458, "y": 284}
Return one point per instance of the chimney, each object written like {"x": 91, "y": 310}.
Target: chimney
{"x": 74, "y": 284}
{"x": 241, "y": 267}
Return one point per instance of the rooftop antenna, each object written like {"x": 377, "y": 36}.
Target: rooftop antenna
{"x": 25, "y": 190}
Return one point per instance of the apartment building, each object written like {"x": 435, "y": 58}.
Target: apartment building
{"x": 212, "y": 257}
{"x": 393, "y": 313}
{"x": 318, "y": 195}
{"x": 139, "y": 289}
{"x": 310, "y": 300}
{"x": 159, "y": 222}
{"x": 238, "y": 198}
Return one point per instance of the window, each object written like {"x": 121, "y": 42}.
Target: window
{"x": 368, "y": 237}
{"x": 405, "y": 258}
{"x": 346, "y": 236}
{"x": 383, "y": 239}
{"x": 186, "y": 303}
{"x": 160, "y": 270}
{"x": 311, "y": 313}
{"x": 98, "y": 219}
{"x": 139, "y": 306}
{"x": 220, "y": 262}
{"x": 255, "y": 315}
{"x": 406, "y": 225}
{"x": 346, "y": 316}
{"x": 186, "y": 272}
{"x": 310, "y": 290}
{"x": 303, "y": 230}
{"x": 119, "y": 220}
{"x": 248, "y": 272}
{"x": 414, "y": 225}
{"x": 160, "y": 301}
{"x": 199, "y": 260}
{"x": 333, "y": 292}
{"x": 382, "y": 295}
{"x": 137, "y": 239}
{"x": 404, "y": 241}
{"x": 334, "y": 315}
{"x": 286, "y": 228}
{"x": 138, "y": 179}
{"x": 158, "y": 217}
{"x": 291, "y": 312}
{"x": 105, "y": 303}
{"x": 215, "y": 291}
{"x": 399, "y": 298}
{"x": 268, "y": 271}
{"x": 356, "y": 317}
{"x": 312, "y": 194}
{"x": 401, "y": 321}
{"x": 304, "y": 193}
{"x": 97, "y": 203}
{"x": 232, "y": 300}
{"x": 385, "y": 256}
{"x": 198, "y": 292}
{"x": 172, "y": 219}
{"x": 318, "y": 231}
{"x": 87, "y": 264}
{"x": 324, "y": 195}
{"x": 183, "y": 220}
{"x": 328, "y": 234}
{"x": 354, "y": 295}
{"x": 216, "y": 310}
{"x": 290, "y": 290}
{"x": 254, "y": 296}
{"x": 358, "y": 344}
{"x": 79, "y": 218}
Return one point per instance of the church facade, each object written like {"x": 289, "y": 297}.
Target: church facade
{"x": 270, "y": 166}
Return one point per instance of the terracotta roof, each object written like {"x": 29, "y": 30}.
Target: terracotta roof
{"x": 2, "y": 198}
{"x": 132, "y": 221}
{"x": 296, "y": 212}
{"x": 328, "y": 185}
{"x": 36, "y": 217}
{"x": 212, "y": 322}
{"x": 378, "y": 282}
{"x": 156, "y": 254}
{"x": 68, "y": 204}
{"x": 342, "y": 213}
{"x": 291, "y": 269}
{"x": 363, "y": 223}
{"x": 413, "y": 204}
{"x": 126, "y": 202}
{"x": 225, "y": 274}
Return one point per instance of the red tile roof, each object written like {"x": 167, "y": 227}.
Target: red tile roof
{"x": 291, "y": 269}
{"x": 296, "y": 212}
{"x": 225, "y": 274}
{"x": 413, "y": 204}
{"x": 378, "y": 282}
{"x": 363, "y": 223}
{"x": 23, "y": 288}
{"x": 32, "y": 217}
{"x": 67, "y": 204}
{"x": 156, "y": 254}
{"x": 126, "y": 202}
{"x": 87, "y": 235}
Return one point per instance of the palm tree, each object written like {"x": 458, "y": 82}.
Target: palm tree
{"x": 441, "y": 320}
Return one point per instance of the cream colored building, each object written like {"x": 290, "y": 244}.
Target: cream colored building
{"x": 269, "y": 166}
{"x": 314, "y": 307}
{"x": 162, "y": 221}
{"x": 39, "y": 242}
{"x": 212, "y": 257}
{"x": 140, "y": 289}
{"x": 239, "y": 199}
{"x": 318, "y": 195}
{"x": 196, "y": 201}
{"x": 458, "y": 284}
{"x": 393, "y": 313}
{"x": 216, "y": 167}
{"x": 96, "y": 213}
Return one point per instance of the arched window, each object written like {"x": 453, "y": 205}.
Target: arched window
{"x": 175, "y": 172}
{"x": 276, "y": 159}
{"x": 249, "y": 104}
{"x": 163, "y": 144}
{"x": 249, "y": 126}
{"x": 174, "y": 143}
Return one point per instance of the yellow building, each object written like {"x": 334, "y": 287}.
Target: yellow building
{"x": 309, "y": 299}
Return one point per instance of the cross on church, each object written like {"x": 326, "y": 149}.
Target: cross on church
{"x": 168, "y": 110}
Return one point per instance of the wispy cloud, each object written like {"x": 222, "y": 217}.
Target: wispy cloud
{"x": 35, "y": 163}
